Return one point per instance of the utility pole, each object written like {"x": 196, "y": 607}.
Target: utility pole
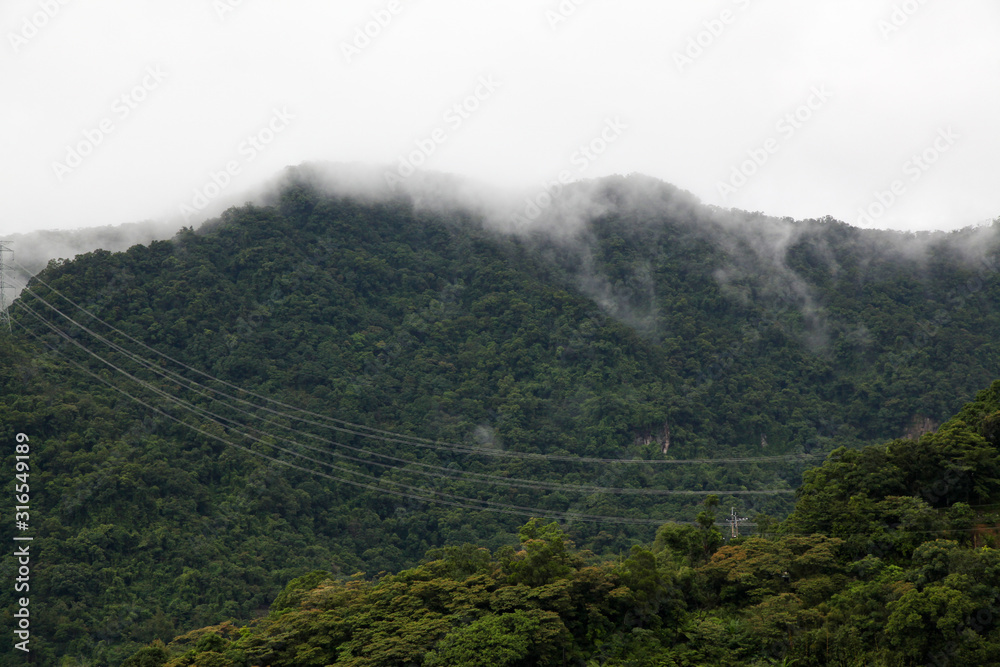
{"x": 734, "y": 522}
{"x": 5, "y": 247}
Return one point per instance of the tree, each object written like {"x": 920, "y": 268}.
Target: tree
{"x": 544, "y": 555}
{"x": 530, "y": 637}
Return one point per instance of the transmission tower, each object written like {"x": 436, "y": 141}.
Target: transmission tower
{"x": 5, "y": 247}
{"x": 735, "y": 521}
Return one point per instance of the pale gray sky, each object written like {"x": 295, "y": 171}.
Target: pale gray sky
{"x": 122, "y": 110}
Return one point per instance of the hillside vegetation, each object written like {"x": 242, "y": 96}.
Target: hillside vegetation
{"x": 478, "y": 378}
{"x": 891, "y": 557}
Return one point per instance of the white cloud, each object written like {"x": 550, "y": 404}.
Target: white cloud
{"x": 606, "y": 59}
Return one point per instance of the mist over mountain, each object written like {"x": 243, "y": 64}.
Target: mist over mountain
{"x": 34, "y": 250}
{"x": 348, "y": 371}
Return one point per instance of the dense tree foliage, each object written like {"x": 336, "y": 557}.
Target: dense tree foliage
{"x": 928, "y": 594}
{"x": 728, "y": 334}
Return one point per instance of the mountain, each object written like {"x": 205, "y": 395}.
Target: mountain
{"x": 343, "y": 376}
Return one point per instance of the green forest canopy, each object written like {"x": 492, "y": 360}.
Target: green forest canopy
{"x": 659, "y": 318}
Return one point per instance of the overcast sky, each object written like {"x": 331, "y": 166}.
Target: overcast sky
{"x": 127, "y": 110}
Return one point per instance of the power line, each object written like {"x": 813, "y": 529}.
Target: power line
{"x": 390, "y": 436}
{"x": 211, "y": 416}
{"x": 441, "y": 497}
{"x": 458, "y": 501}
{"x": 503, "y": 508}
{"x": 510, "y": 481}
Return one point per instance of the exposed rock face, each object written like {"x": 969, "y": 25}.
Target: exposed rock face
{"x": 659, "y": 436}
{"x": 918, "y": 426}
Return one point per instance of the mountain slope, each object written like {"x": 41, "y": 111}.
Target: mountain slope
{"x": 649, "y": 317}
{"x": 886, "y": 581}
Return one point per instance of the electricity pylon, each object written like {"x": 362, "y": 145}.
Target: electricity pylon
{"x": 5, "y": 247}
{"x": 735, "y": 521}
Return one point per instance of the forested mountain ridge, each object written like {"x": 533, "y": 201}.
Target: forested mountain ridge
{"x": 36, "y": 249}
{"x": 645, "y": 314}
